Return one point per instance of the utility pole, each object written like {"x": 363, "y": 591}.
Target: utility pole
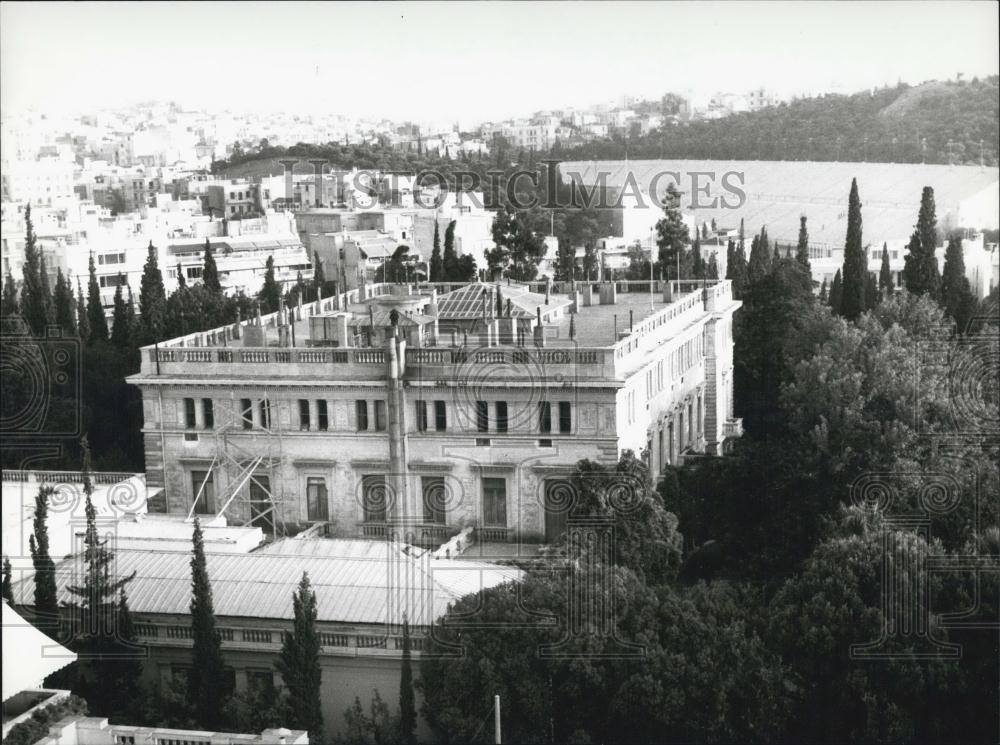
{"x": 496, "y": 720}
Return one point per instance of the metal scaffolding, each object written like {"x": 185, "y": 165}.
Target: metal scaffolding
{"x": 246, "y": 466}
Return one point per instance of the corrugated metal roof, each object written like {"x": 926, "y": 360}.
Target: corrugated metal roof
{"x": 371, "y": 589}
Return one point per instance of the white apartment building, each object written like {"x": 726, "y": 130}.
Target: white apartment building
{"x": 47, "y": 182}
{"x": 530, "y": 136}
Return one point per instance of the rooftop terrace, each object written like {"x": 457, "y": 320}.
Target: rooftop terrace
{"x": 612, "y": 322}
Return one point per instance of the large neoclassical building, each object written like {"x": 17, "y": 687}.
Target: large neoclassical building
{"x": 437, "y": 407}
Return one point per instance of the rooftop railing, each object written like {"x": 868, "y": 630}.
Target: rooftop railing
{"x": 66, "y": 477}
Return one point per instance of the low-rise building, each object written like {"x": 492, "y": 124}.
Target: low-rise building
{"x": 364, "y": 591}
{"x": 98, "y": 731}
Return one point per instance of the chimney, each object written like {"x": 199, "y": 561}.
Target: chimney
{"x": 239, "y": 321}
{"x": 548, "y": 289}
{"x": 539, "y": 329}
{"x": 572, "y": 327}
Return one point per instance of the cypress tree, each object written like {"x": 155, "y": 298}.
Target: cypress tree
{"x": 207, "y": 683}
{"x": 920, "y": 270}
{"x": 852, "y": 302}
{"x": 6, "y": 586}
{"x": 131, "y": 314}
{"x": 885, "y": 285}
{"x": 95, "y": 309}
{"x": 45, "y": 601}
{"x": 956, "y": 293}
{"x": 836, "y": 293}
{"x": 730, "y": 258}
{"x": 181, "y": 279}
{"x": 82, "y": 322}
{"x": 129, "y": 677}
{"x": 270, "y": 293}
{"x": 33, "y": 306}
{"x": 871, "y": 291}
{"x": 450, "y": 260}
{"x": 319, "y": 276}
{"x": 9, "y": 305}
{"x": 712, "y": 272}
{"x": 437, "y": 263}
{"x": 43, "y": 284}
{"x": 152, "y": 298}
{"x": 672, "y": 235}
{"x": 299, "y": 663}
{"x": 119, "y": 320}
{"x": 802, "y": 248}
{"x": 97, "y": 610}
{"x": 822, "y": 292}
{"x": 407, "y": 704}
{"x": 740, "y": 265}
{"x": 62, "y": 302}
{"x": 210, "y": 272}
{"x": 760, "y": 257}
{"x": 697, "y": 265}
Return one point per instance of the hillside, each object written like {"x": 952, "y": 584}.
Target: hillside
{"x": 936, "y": 122}
{"x": 894, "y": 125}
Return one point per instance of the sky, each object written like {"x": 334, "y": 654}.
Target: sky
{"x": 472, "y": 61}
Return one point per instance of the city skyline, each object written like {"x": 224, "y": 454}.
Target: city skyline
{"x": 452, "y": 49}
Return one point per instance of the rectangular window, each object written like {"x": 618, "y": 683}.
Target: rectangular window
{"x": 208, "y": 409}
{"x": 495, "y": 502}
{"x": 203, "y": 490}
{"x": 501, "y": 416}
{"x": 380, "y": 416}
{"x": 316, "y": 504}
{"x": 322, "y": 415}
{"x": 265, "y": 414}
{"x": 304, "y": 414}
{"x": 440, "y": 416}
{"x": 373, "y": 491}
{"x": 482, "y": 416}
{"x": 189, "y": 418}
{"x": 544, "y": 416}
{"x": 361, "y": 414}
{"x": 260, "y": 682}
{"x": 246, "y": 412}
{"x": 565, "y": 417}
{"x": 180, "y": 673}
{"x": 421, "y": 416}
{"x": 435, "y": 499}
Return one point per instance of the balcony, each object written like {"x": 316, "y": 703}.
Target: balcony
{"x": 732, "y": 428}
{"x": 492, "y": 535}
